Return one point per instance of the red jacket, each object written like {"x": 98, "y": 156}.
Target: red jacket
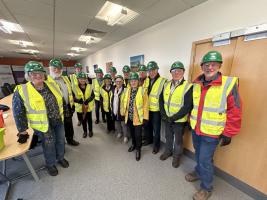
{"x": 234, "y": 107}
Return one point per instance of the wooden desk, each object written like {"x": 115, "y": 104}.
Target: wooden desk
{"x": 12, "y": 147}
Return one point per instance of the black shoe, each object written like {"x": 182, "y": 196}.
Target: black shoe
{"x": 64, "y": 163}
{"x": 138, "y": 155}
{"x": 96, "y": 121}
{"x": 52, "y": 170}
{"x": 176, "y": 162}
{"x": 145, "y": 143}
{"x": 84, "y": 135}
{"x": 104, "y": 120}
{"x": 131, "y": 148}
{"x": 165, "y": 155}
{"x": 155, "y": 150}
{"x": 73, "y": 143}
{"x": 91, "y": 134}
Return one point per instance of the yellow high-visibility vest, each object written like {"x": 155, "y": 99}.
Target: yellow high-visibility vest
{"x": 68, "y": 84}
{"x": 155, "y": 93}
{"x": 138, "y": 103}
{"x": 213, "y": 117}
{"x": 174, "y": 101}
{"x": 35, "y": 106}
{"x": 96, "y": 88}
{"x": 86, "y": 95}
{"x": 106, "y": 99}
{"x": 74, "y": 83}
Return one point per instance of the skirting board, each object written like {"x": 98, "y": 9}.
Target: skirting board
{"x": 252, "y": 192}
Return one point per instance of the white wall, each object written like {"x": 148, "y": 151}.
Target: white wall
{"x": 172, "y": 39}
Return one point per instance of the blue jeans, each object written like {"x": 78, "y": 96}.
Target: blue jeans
{"x": 53, "y": 143}
{"x": 205, "y": 147}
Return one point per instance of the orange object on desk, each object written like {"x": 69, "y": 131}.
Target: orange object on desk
{"x": 2, "y": 123}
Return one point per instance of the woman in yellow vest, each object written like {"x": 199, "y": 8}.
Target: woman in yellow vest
{"x": 175, "y": 104}
{"x": 97, "y": 83}
{"x": 135, "y": 108}
{"x": 215, "y": 118}
{"x": 84, "y": 103}
{"x": 39, "y": 104}
{"x": 105, "y": 94}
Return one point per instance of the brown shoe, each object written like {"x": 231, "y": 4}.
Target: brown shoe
{"x": 176, "y": 162}
{"x": 165, "y": 155}
{"x": 191, "y": 177}
{"x": 202, "y": 195}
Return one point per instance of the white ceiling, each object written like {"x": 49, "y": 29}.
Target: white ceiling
{"x": 72, "y": 18}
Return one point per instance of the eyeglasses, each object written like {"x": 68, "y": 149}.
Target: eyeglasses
{"x": 177, "y": 71}
{"x": 211, "y": 64}
{"x": 36, "y": 73}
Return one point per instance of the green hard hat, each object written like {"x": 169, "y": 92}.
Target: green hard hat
{"x": 78, "y": 65}
{"x": 98, "y": 71}
{"x": 126, "y": 69}
{"x": 142, "y": 68}
{"x": 177, "y": 65}
{"x": 107, "y": 76}
{"x": 152, "y": 65}
{"x": 34, "y": 66}
{"x": 134, "y": 76}
{"x": 113, "y": 69}
{"x": 81, "y": 75}
{"x": 55, "y": 62}
{"x": 119, "y": 76}
{"x": 212, "y": 56}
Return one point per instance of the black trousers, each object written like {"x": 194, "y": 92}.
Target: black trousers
{"x": 110, "y": 122}
{"x": 136, "y": 134}
{"x": 152, "y": 129}
{"x": 68, "y": 126}
{"x": 99, "y": 106}
{"x": 85, "y": 121}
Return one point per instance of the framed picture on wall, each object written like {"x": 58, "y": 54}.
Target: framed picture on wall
{"x": 135, "y": 61}
{"x": 108, "y": 65}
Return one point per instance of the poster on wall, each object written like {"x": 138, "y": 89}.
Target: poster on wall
{"x": 6, "y": 75}
{"x": 108, "y": 65}
{"x": 135, "y": 61}
{"x": 19, "y": 74}
{"x": 95, "y": 66}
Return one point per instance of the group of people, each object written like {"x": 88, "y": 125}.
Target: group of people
{"x": 133, "y": 106}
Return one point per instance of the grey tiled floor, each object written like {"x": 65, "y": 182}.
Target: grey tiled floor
{"x": 102, "y": 169}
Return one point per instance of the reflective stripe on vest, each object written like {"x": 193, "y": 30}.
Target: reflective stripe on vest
{"x": 96, "y": 88}
{"x": 155, "y": 93}
{"x": 74, "y": 83}
{"x": 86, "y": 95}
{"x": 173, "y": 102}
{"x": 35, "y": 106}
{"x": 68, "y": 83}
{"x": 213, "y": 117}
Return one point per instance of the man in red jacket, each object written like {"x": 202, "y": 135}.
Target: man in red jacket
{"x": 215, "y": 118}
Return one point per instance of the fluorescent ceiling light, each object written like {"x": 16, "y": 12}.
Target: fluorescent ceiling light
{"x": 89, "y": 39}
{"x": 115, "y": 14}
{"x": 9, "y": 27}
{"x": 31, "y": 51}
{"x": 22, "y": 43}
{"x": 73, "y": 54}
{"x": 78, "y": 49}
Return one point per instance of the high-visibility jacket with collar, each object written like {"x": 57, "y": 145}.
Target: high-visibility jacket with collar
{"x": 68, "y": 84}
{"x": 96, "y": 88}
{"x": 35, "y": 105}
{"x": 211, "y": 116}
{"x": 87, "y": 94}
{"x": 74, "y": 83}
{"x": 105, "y": 94}
{"x": 155, "y": 92}
{"x": 174, "y": 100}
{"x": 140, "y": 106}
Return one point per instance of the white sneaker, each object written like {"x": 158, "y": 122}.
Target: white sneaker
{"x": 119, "y": 135}
{"x": 125, "y": 140}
